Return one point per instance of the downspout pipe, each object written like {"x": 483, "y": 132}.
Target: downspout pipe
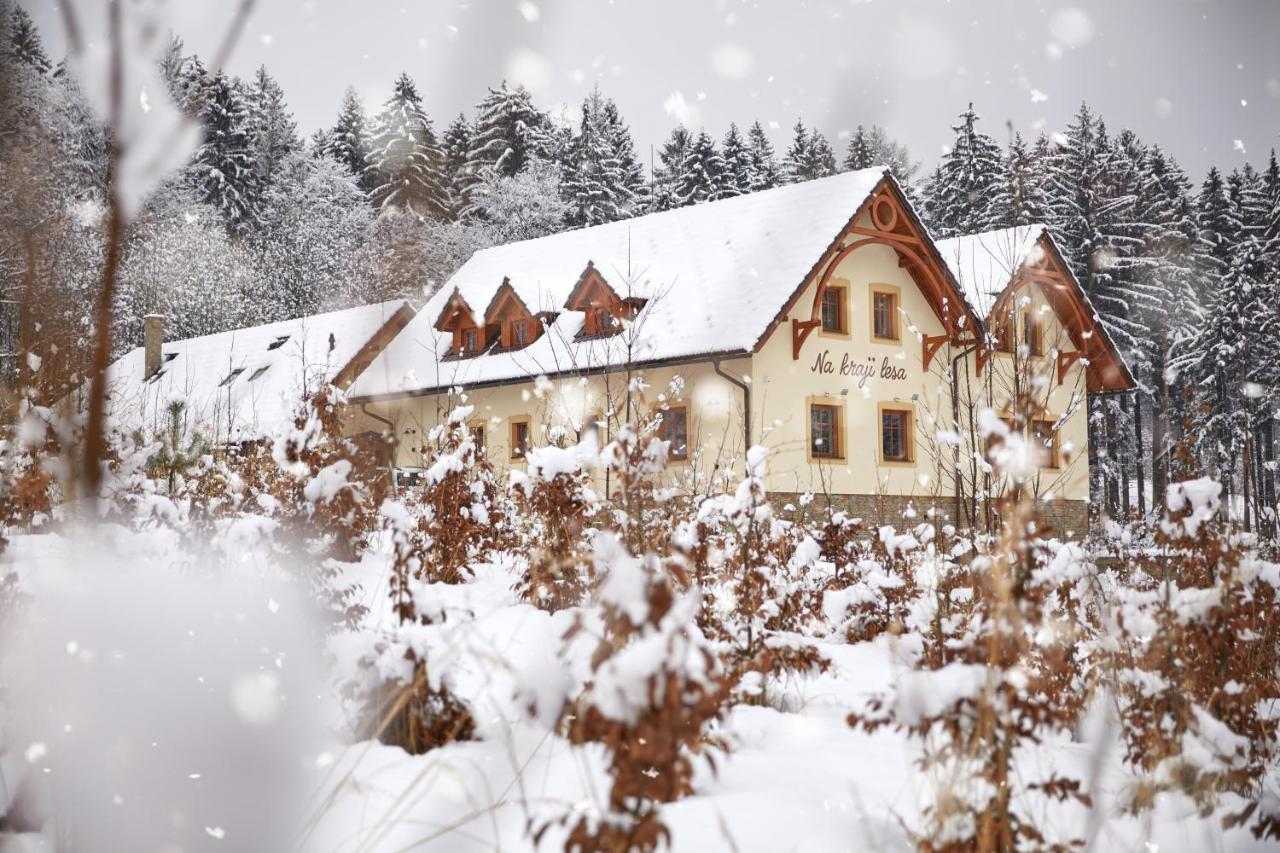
{"x": 955, "y": 419}
{"x": 746, "y": 401}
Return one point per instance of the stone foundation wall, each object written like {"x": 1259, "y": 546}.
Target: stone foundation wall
{"x": 1065, "y": 519}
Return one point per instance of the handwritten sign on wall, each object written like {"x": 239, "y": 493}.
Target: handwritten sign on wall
{"x": 860, "y": 369}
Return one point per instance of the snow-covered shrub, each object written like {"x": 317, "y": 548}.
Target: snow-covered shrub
{"x": 31, "y": 471}
{"x": 436, "y": 533}
{"x": 557, "y": 505}
{"x": 656, "y": 685}
{"x": 769, "y": 561}
{"x": 178, "y": 448}
{"x": 875, "y": 592}
{"x": 997, "y": 673}
{"x": 455, "y": 517}
{"x": 640, "y": 505}
{"x": 1197, "y": 662}
{"x": 331, "y": 487}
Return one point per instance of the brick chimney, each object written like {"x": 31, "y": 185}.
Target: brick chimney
{"x": 152, "y": 338}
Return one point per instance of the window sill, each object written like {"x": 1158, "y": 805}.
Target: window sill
{"x": 827, "y": 460}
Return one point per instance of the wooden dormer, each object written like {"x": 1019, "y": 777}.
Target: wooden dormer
{"x": 458, "y": 319}
{"x": 603, "y": 309}
{"x": 509, "y": 321}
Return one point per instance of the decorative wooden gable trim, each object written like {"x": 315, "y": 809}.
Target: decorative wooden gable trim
{"x": 376, "y": 344}
{"x": 509, "y": 321}
{"x": 603, "y": 308}
{"x": 893, "y": 224}
{"x": 458, "y": 319}
{"x": 1105, "y": 368}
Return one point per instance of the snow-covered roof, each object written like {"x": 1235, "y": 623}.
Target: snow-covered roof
{"x": 984, "y": 264}
{"x": 714, "y": 276}
{"x": 245, "y": 383}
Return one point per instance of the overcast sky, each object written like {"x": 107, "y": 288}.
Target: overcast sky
{"x": 1201, "y": 77}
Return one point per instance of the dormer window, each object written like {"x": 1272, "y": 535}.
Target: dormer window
{"x": 509, "y": 320}
{"x": 458, "y": 320}
{"x": 602, "y": 308}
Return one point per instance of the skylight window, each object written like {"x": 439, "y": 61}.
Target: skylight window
{"x": 278, "y": 342}
{"x": 231, "y": 377}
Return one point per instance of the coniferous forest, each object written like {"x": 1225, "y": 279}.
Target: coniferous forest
{"x": 264, "y": 224}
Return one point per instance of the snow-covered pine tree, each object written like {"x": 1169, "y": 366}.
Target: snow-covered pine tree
{"x": 1219, "y": 229}
{"x": 629, "y": 171}
{"x": 1218, "y": 236}
{"x": 964, "y": 197}
{"x": 1234, "y": 343}
{"x": 1075, "y": 167}
{"x": 1169, "y": 245}
{"x": 457, "y": 147}
{"x": 506, "y": 130}
{"x": 1126, "y": 296}
{"x": 1252, "y": 204}
{"x": 187, "y": 78}
{"x": 883, "y": 150}
{"x": 809, "y": 157}
{"x": 1248, "y": 193}
{"x": 223, "y": 167}
{"x": 703, "y": 172}
{"x": 670, "y": 174}
{"x": 1271, "y": 191}
{"x": 824, "y": 156}
{"x": 764, "y": 163}
{"x": 1089, "y": 214}
{"x": 601, "y": 178}
{"x": 858, "y": 154}
{"x": 1119, "y": 291}
{"x": 320, "y": 143}
{"x": 348, "y": 141}
{"x": 1028, "y": 202}
{"x": 737, "y": 164}
{"x": 24, "y": 40}
{"x": 797, "y": 163}
{"x": 272, "y": 128}
{"x": 406, "y": 157}
{"x": 171, "y": 59}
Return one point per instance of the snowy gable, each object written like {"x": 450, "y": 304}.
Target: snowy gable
{"x": 984, "y": 264}
{"x": 245, "y": 383}
{"x": 700, "y": 280}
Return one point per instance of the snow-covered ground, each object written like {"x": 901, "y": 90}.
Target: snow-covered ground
{"x": 796, "y": 775}
{"x": 164, "y": 680}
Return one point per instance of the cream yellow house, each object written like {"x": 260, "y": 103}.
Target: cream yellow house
{"x": 819, "y": 320}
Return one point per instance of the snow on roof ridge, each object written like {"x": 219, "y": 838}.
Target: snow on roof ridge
{"x": 676, "y": 212}
{"x": 715, "y": 273}
{"x": 267, "y": 383}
